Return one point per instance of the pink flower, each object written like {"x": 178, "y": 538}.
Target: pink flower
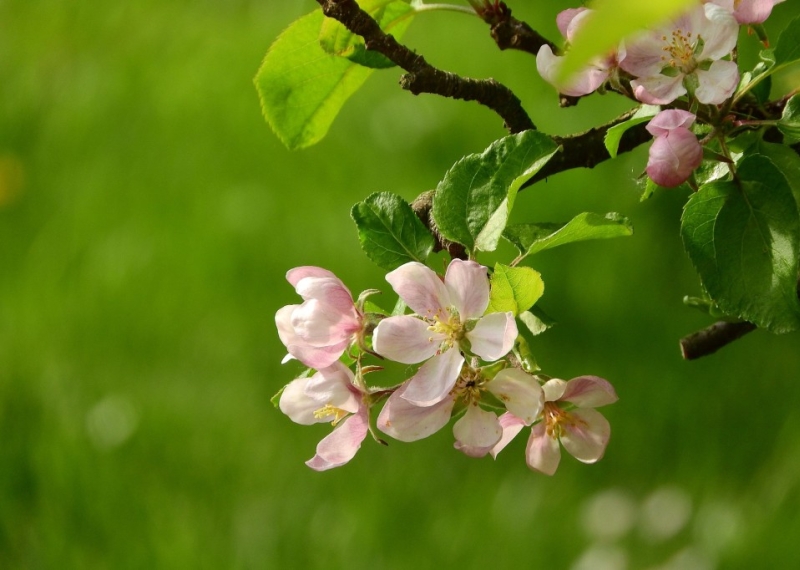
{"x": 329, "y": 396}
{"x": 748, "y": 11}
{"x": 549, "y": 64}
{"x": 317, "y": 332}
{"x": 688, "y": 52}
{"x": 675, "y": 152}
{"x": 477, "y": 431}
{"x": 449, "y": 318}
{"x": 568, "y": 416}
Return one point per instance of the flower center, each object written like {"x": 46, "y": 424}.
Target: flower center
{"x": 328, "y": 410}
{"x": 556, "y": 419}
{"x": 450, "y": 327}
{"x": 680, "y": 49}
{"x": 469, "y": 386}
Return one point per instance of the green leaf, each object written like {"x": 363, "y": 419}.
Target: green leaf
{"x": 788, "y": 48}
{"x": 302, "y": 87}
{"x": 393, "y": 16}
{"x": 614, "y": 134}
{"x": 743, "y": 238}
{"x": 612, "y": 21}
{"x": 786, "y": 160}
{"x": 536, "y": 321}
{"x": 473, "y": 201}
{"x": 514, "y": 289}
{"x": 390, "y": 232}
{"x": 533, "y": 238}
{"x": 789, "y": 124}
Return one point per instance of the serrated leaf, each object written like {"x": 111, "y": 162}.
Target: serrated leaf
{"x": 787, "y": 49}
{"x": 533, "y": 238}
{"x": 614, "y": 134}
{"x": 514, "y": 289}
{"x": 744, "y": 241}
{"x": 605, "y": 29}
{"x": 789, "y": 123}
{"x": 473, "y": 201}
{"x": 393, "y": 16}
{"x": 390, "y": 232}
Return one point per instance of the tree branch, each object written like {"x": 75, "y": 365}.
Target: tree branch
{"x": 507, "y": 31}
{"x": 421, "y": 77}
{"x": 711, "y": 339}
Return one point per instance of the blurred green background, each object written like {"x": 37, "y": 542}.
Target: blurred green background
{"x": 147, "y": 219}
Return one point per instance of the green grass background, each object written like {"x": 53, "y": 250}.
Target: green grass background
{"x": 147, "y": 219}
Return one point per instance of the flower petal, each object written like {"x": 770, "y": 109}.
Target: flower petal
{"x": 553, "y": 389}
{"x": 543, "y": 452}
{"x": 587, "y": 435}
{"x": 405, "y": 339}
{"x": 477, "y": 432}
{"x": 584, "y": 82}
{"x": 313, "y": 357}
{"x": 421, "y": 289}
{"x": 658, "y": 89}
{"x": 589, "y": 392}
{"x": 511, "y": 425}
{"x": 717, "y": 83}
{"x": 296, "y": 404}
{"x": 320, "y": 325}
{"x": 564, "y": 20}
{"x": 341, "y": 445}
{"x": 334, "y": 386}
{"x": 719, "y": 30}
{"x": 666, "y": 121}
{"x": 406, "y": 422}
{"x": 520, "y": 392}
{"x": 468, "y": 284}
{"x": 293, "y": 276}
{"x": 493, "y": 336}
{"x": 673, "y": 158}
{"x": 434, "y": 379}
{"x": 331, "y": 292}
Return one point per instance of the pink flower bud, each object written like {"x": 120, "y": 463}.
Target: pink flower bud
{"x": 675, "y": 152}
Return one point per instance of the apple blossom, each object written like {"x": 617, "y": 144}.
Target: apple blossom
{"x": 685, "y": 55}
{"x": 568, "y": 416}
{"x": 478, "y": 430}
{"x": 449, "y": 318}
{"x": 748, "y": 11}
{"x": 590, "y": 77}
{"x": 675, "y": 152}
{"x": 330, "y": 395}
{"x": 319, "y": 330}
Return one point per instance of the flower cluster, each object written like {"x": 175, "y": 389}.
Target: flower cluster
{"x": 690, "y": 57}
{"x": 466, "y": 370}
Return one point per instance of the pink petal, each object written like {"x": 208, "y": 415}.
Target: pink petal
{"x": 405, "y": 339}
{"x": 543, "y": 452}
{"x": 334, "y": 386}
{"x": 582, "y": 83}
{"x": 297, "y": 405}
{"x": 673, "y": 158}
{"x": 511, "y": 425}
{"x": 718, "y": 83}
{"x": 553, "y": 389}
{"x": 586, "y": 435}
{"x": 589, "y": 392}
{"x": 468, "y": 284}
{"x": 341, "y": 445}
{"x": 520, "y": 392}
{"x": 658, "y": 89}
{"x": 666, "y": 121}
{"x": 719, "y": 30}
{"x": 643, "y": 54}
{"x": 421, "y": 289}
{"x": 493, "y": 336}
{"x": 434, "y": 379}
{"x": 754, "y": 11}
{"x": 330, "y": 292}
{"x": 319, "y": 325}
{"x": 313, "y": 357}
{"x": 293, "y": 276}
{"x": 406, "y": 422}
{"x": 564, "y": 19}
{"x": 477, "y": 432}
